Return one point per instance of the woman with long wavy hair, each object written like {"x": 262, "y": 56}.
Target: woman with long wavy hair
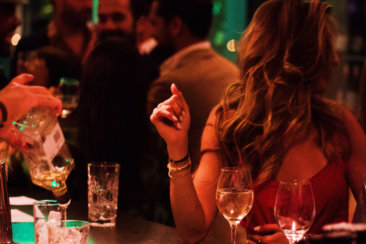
{"x": 275, "y": 121}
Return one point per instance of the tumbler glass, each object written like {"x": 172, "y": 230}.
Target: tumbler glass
{"x": 103, "y": 180}
{"x": 44, "y": 212}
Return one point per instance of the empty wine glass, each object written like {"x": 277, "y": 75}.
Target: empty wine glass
{"x": 234, "y": 196}
{"x": 294, "y": 208}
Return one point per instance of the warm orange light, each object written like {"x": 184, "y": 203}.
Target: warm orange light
{"x": 231, "y": 46}
{"x": 15, "y": 39}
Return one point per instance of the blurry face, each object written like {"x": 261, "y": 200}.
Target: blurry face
{"x": 115, "y": 16}
{"x": 8, "y": 24}
{"x": 160, "y": 28}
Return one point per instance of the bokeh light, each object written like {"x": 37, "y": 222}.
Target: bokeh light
{"x": 15, "y": 39}
{"x": 231, "y": 46}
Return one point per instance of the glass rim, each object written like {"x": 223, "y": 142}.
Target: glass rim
{"x": 48, "y": 202}
{"x": 103, "y": 164}
{"x": 84, "y": 222}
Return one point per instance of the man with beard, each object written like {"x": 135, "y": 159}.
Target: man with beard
{"x": 128, "y": 19}
{"x": 115, "y": 18}
{"x": 8, "y": 23}
{"x": 61, "y": 45}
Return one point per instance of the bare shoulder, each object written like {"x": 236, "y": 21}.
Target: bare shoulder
{"x": 351, "y": 123}
{"x": 212, "y": 118}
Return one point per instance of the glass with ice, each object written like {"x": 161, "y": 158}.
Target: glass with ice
{"x": 44, "y": 212}
{"x": 103, "y": 180}
{"x": 69, "y": 231}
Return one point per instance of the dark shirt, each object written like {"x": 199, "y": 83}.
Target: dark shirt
{"x": 3, "y": 79}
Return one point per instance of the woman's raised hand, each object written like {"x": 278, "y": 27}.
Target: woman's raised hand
{"x": 172, "y": 119}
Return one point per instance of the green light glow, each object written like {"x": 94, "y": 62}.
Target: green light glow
{"x": 94, "y": 14}
{"x": 47, "y": 9}
{"x": 219, "y": 38}
{"x": 216, "y": 9}
{"x": 54, "y": 184}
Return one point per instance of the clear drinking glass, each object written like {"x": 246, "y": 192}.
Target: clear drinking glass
{"x": 103, "y": 181}
{"x": 44, "y": 212}
{"x": 69, "y": 231}
{"x": 294, "y": 208}
{"x": 234, "y": 196}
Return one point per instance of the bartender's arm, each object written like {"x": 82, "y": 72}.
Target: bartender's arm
{"x": 16, "y": 99}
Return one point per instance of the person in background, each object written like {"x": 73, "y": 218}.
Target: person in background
{"x": 118, "y": 18}
{"x": 56, "y": 50}
{"x": 115, "y": 18}
{"x": 195, "y": 67}
{"x": 128, "y": 19}
{"x": 16, "y": 97}
{"x": 113, "y": 126}
{"x": 275, "y": 122}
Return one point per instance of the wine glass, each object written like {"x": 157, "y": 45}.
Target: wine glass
{"x": 68, "y": 91}
{"x": 294, "y": 208}
{"x": 234, "y": 196}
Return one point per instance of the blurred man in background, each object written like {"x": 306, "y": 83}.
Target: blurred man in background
{"x": 124, "y": 18}
{"x": 115, "y": 18}
{"x": 196, "y": 69}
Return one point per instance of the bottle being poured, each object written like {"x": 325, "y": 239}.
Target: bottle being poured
{"x": 48, "y": 159}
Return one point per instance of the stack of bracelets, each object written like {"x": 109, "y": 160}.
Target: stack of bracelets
{"x": 179, "y": 168}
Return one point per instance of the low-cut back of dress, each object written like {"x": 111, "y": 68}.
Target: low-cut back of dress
{"x": 330, "y": 189}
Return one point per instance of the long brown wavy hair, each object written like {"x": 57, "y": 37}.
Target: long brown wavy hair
{"x": 286, "y": 58}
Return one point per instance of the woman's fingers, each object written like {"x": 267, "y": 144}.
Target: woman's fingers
{"x": 182, "y": 102}
{"x": 165, "y": 114}
{"x": 267, "y": 228}
{"x": 269, "y": 233}
{"x": 172, "y": 104}
{"x": 278, "y": 237}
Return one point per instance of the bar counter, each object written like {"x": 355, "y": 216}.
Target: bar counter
{"x": 129, "y": 229}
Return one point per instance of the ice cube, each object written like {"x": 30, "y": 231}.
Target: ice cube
{"x": 41, "y": 231}
{"x": 73, "y": 236}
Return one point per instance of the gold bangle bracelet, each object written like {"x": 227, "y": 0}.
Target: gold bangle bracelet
{"x": 176, "y": 168}
{"x": 179, "y": 174}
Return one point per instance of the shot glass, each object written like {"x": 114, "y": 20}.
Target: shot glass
{"x": 103, "y": 180}
{"x": 45, "y": 211}
{"x": 69, "y": 231}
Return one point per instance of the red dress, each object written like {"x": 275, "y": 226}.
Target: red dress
{"x": 330, "y": 189}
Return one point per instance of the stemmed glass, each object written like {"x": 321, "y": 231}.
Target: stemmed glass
{"x": 234, "y": 196}
{"x": 294, "y": 208}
